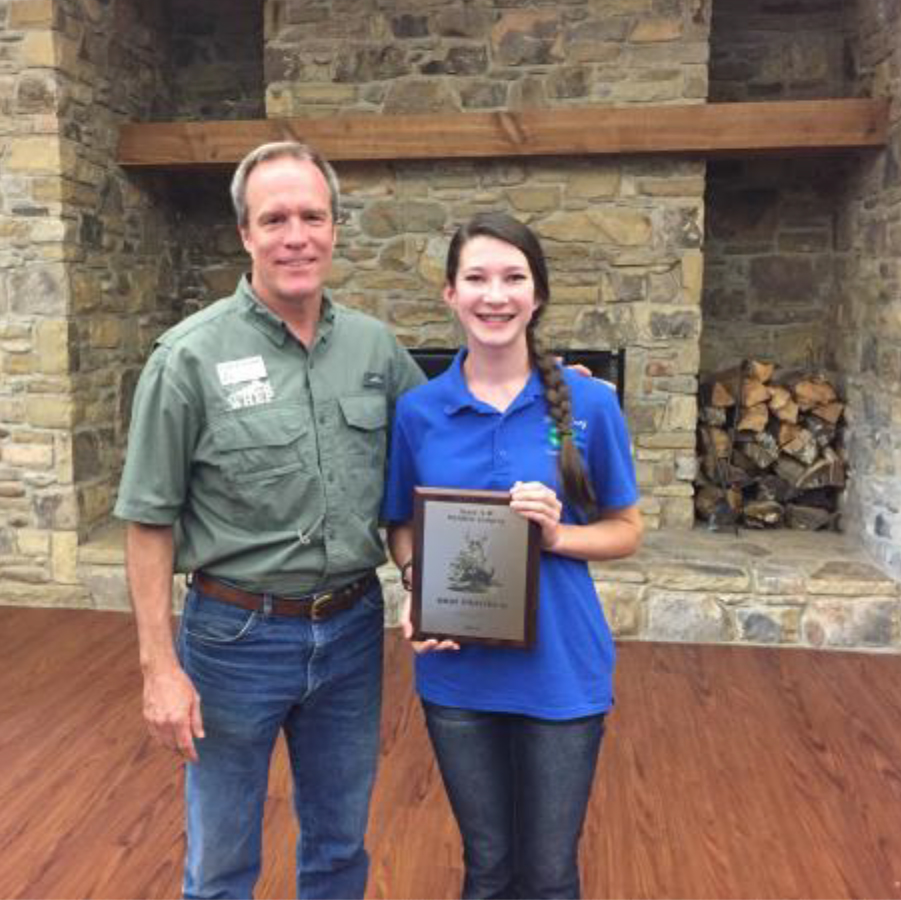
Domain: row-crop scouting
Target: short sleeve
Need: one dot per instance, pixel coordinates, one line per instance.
(609, 452)
(406, 373)
(162, 435)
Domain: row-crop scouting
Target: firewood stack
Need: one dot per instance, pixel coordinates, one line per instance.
(771, 449)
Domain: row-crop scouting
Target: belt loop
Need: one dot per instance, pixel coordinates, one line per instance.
(267, 605)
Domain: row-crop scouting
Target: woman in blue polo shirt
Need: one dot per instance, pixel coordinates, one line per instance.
(517, 732)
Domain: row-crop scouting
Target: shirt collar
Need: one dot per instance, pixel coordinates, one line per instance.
(266, 321)
(462, 398)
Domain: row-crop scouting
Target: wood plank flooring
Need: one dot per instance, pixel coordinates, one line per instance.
(727, 772)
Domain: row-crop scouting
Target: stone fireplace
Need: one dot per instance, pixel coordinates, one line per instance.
(623, 236)
(687, 264)
(803, 256)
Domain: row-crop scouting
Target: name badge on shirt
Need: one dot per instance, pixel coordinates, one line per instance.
(254, 393)
(237, 371)
(246, 382)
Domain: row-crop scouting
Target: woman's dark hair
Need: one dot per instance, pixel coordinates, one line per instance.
(501, 227)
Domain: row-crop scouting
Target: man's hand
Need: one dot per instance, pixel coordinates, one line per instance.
(584, 371)
(172, 710)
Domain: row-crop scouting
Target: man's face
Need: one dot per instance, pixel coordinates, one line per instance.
(290, 233)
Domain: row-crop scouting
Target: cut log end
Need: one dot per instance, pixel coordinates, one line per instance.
(775, 458)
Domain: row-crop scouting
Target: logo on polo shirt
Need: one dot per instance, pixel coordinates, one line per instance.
(373, 380)
(579, 434)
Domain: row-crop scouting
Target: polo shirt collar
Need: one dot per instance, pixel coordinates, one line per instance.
(462, 398)
(266, 321)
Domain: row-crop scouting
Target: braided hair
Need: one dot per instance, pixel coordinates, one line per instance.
(574, 480)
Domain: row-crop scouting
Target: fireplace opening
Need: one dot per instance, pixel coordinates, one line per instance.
(776, 373)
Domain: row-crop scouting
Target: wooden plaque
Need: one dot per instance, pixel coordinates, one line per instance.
(475, 568)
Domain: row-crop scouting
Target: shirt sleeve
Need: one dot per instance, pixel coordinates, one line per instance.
(405, 374)
(610, 463)
(162, 435)
(397, 501)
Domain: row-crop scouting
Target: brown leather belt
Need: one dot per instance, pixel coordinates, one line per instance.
(316, 606)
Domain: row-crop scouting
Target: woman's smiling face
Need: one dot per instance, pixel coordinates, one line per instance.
(493, 294)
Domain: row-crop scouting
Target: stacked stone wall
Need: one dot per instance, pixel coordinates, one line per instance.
(38, 512)
(769, 266)
(803, 258)
(216, 59)
(867, 330)
(119, 242)
(773, 50)
(770, 286)
(210, 256)
(83, 265)
(623, 236)
(325, 56)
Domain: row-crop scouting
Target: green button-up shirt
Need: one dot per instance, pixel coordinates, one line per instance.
(267, 458)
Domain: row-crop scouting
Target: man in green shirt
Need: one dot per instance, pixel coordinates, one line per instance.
(255, 463)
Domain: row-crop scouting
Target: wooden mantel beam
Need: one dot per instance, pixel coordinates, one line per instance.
(788, 127)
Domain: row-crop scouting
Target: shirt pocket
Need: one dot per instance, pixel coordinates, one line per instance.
(260, 445)
(365, 420)
(363, 440)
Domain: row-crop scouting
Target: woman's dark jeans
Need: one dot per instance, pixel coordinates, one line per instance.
(519, 788)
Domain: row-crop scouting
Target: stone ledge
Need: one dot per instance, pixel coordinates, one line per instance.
(768, 588)
(850, 579)
(765, 562)
(105, 547)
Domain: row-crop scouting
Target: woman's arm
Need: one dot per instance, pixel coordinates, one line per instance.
(616, 534)
(400, 546)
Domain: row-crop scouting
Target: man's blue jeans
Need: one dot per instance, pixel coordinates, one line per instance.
(519, 789)
(320, 682)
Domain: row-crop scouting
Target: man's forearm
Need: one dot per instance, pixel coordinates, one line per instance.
(171, 703)
(149, 561)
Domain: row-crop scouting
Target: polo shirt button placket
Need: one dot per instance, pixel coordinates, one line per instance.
(500, 452)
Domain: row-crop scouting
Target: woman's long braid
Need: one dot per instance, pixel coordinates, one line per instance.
(576, 486)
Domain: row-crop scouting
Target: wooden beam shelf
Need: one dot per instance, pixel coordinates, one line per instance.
(708, 129)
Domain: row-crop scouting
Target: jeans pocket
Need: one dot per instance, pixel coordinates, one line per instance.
(213, 622)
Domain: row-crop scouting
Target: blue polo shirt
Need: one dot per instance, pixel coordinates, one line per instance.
(445, 437)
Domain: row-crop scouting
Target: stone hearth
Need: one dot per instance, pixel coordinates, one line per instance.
(763, 587)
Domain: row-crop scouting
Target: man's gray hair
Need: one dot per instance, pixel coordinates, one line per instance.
(278, 150)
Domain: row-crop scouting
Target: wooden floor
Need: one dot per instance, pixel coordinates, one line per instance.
(726, 773)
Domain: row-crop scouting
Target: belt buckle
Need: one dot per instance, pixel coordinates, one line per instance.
(320, 603)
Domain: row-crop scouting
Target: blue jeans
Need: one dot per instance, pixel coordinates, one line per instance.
(519, 789)
(319, 682)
